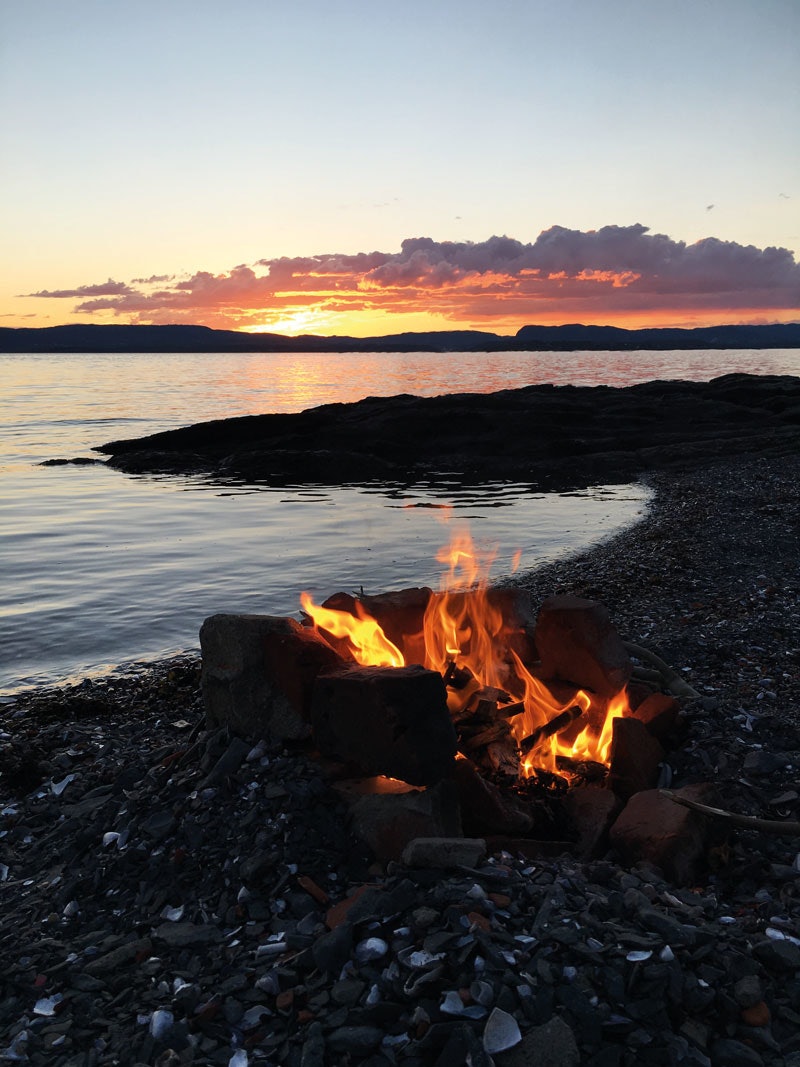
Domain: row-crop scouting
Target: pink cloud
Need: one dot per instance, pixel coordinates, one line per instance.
(595, 274)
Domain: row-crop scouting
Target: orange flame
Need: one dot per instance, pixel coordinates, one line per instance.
(464, 629)
(369, 644)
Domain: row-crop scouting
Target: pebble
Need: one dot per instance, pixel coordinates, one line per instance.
(123, 893)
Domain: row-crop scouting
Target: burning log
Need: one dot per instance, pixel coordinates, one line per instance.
(554, 726)
(588, 770)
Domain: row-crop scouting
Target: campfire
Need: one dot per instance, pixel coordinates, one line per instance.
(461, 711)
(506, 717)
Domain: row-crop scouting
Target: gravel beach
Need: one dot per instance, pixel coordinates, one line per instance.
(174, 895)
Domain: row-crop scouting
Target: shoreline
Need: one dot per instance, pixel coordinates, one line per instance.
(153, 904)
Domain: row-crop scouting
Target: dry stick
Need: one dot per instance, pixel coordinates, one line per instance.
(675, 684)
(746, 822)
(553, 726)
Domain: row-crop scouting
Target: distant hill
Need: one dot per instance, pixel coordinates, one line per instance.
(571, 338)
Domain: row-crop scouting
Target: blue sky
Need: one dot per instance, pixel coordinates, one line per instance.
(175, 139)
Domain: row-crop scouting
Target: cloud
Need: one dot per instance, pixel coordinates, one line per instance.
(109, 288)
(604, 275)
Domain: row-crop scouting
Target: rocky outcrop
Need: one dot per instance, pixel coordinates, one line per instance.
(553, 437)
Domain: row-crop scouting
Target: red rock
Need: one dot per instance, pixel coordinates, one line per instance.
(659, 713)
(391, 721)
(399, 614)
(591, 810)
(672, 837)
(259, 672)
(758, 1015)
(485, 809)
(634, 758)
(338, 913)
(313, 889)
(387, 822)
(480, 921)
(577, 643)
(285, 1000)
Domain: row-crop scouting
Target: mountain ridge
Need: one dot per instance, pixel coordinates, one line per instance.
(572, 337)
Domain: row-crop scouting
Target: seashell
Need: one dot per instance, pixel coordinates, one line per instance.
(482, 992)
(161, 1022)
(238, 1059)
(417, 981)
(253, 1016)
(269, 983)
(172, 915)
(501, 1032)
(452, 1004)
(639, 956)
(373, 948)
(47, 1005)
(419, 958)
(57, 788)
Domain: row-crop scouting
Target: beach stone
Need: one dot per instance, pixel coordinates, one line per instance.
(552, 1044)
(659, 713)
(399, 613)
(486, 809)
(728, 1052)
(444, 852)
(387, 822)
(357, 1040)
(390, 721)
(777, 955)
(634, 757)
(258, 674)
(591, 811)
(670, 836)
(577, 643)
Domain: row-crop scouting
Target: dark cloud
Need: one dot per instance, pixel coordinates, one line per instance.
(109, 288)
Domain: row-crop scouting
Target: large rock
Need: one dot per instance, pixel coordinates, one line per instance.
(391, 721)
(554, 436)
(259, 672)
(577, 643)
(387, 817)
(671, 836)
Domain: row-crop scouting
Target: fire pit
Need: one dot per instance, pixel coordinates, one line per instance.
(533, 728)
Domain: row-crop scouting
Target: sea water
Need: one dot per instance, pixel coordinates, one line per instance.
(99, 568)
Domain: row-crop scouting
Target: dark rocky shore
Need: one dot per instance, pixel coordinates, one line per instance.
(554, 437)
(170, 897)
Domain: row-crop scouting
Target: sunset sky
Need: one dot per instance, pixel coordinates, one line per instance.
(360, 167)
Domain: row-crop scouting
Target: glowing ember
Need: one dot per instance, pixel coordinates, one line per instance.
(465, 635)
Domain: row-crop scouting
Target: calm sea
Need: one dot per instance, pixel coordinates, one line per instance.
(99, 569)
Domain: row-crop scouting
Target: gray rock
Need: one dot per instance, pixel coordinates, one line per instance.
(444, 852)
(187, 935)
(777, 955)
(730, 1053)
(550, 1045)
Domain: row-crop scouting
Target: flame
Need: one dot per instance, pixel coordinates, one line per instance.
(369, 644)
(464, 631)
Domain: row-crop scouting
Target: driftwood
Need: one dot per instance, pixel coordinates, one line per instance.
(745, 822)
(672, 680)
(552, 726)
